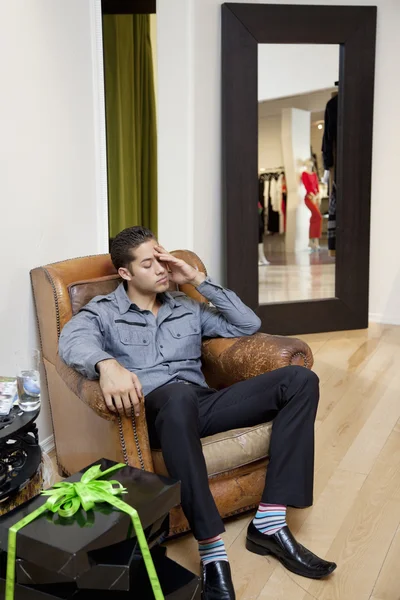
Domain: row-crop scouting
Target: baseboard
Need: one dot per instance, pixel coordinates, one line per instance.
(48, 444)
(384, 319)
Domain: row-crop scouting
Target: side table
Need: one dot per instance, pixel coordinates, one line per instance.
(20, 458)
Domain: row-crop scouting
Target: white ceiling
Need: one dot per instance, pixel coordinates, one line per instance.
(293, 69)
(314, 102)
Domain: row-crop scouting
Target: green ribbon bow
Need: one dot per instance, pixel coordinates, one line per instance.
(66, 498)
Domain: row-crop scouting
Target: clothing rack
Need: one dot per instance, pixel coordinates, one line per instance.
(269, 174)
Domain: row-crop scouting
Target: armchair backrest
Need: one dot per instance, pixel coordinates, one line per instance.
(61, 289)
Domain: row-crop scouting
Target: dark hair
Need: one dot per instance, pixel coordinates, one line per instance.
(126, 241)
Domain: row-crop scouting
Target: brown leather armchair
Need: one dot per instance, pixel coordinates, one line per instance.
(84, 430)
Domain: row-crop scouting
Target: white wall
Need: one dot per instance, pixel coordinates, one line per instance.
(175, 124)
(289, 69)
(296, 133)
(189, 139)
(49, 157)
(269, 142)
(270, 117)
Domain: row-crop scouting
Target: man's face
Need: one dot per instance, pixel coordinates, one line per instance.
(145, 273)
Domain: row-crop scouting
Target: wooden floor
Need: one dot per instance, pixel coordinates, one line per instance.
(292, 283)
(356, 514)
(296, 276)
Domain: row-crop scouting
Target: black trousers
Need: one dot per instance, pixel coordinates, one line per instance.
(178, 415)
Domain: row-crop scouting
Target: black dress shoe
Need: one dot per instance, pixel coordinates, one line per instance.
(289, 552)
(217, 581)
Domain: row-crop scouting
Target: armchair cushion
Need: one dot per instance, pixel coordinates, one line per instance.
(81, 292)
(228, 450)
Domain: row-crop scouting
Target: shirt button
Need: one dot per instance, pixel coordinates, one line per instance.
(161, 346)
(178, 335)
(144, 341)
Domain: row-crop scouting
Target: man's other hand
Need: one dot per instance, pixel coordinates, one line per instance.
(121, 389)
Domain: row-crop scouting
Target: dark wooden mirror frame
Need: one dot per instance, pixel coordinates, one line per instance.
(244, 26)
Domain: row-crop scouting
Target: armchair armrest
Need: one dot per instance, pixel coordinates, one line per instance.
(135, 437)
(85, 389)
(229, 360)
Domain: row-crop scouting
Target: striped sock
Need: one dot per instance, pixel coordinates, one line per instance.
(212, 550)
(270, 518)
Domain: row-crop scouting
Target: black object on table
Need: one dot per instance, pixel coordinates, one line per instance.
(177, 583)
(20, 453)
(96, 554)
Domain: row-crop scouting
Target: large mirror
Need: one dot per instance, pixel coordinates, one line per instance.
(298, 89)
(297, 113)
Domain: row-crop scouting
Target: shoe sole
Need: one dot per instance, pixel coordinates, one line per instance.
(256, 549)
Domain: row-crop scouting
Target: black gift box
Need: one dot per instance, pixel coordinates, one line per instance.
(176, 582)
(77, 550)
(112, 566)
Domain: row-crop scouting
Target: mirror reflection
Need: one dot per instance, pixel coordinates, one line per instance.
(297, 126)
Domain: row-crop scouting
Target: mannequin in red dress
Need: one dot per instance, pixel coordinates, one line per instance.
(310, 182)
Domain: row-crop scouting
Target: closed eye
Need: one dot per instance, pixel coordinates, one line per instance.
(146, 262)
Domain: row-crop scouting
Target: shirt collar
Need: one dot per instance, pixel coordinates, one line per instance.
(124, 303)
(169, 299)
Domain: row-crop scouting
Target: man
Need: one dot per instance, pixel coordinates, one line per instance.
(145, 343)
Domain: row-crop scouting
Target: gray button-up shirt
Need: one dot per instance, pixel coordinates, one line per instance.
(158, 349)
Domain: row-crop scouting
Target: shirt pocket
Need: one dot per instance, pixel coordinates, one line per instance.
(134, 343)
(185, 338)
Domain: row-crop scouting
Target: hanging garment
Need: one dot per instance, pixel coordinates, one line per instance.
(332, 219)
(276, 192)
(310, 182)
(277, 202)
(284, 198)
(273, 215)
(330, 133)
(261, 210)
